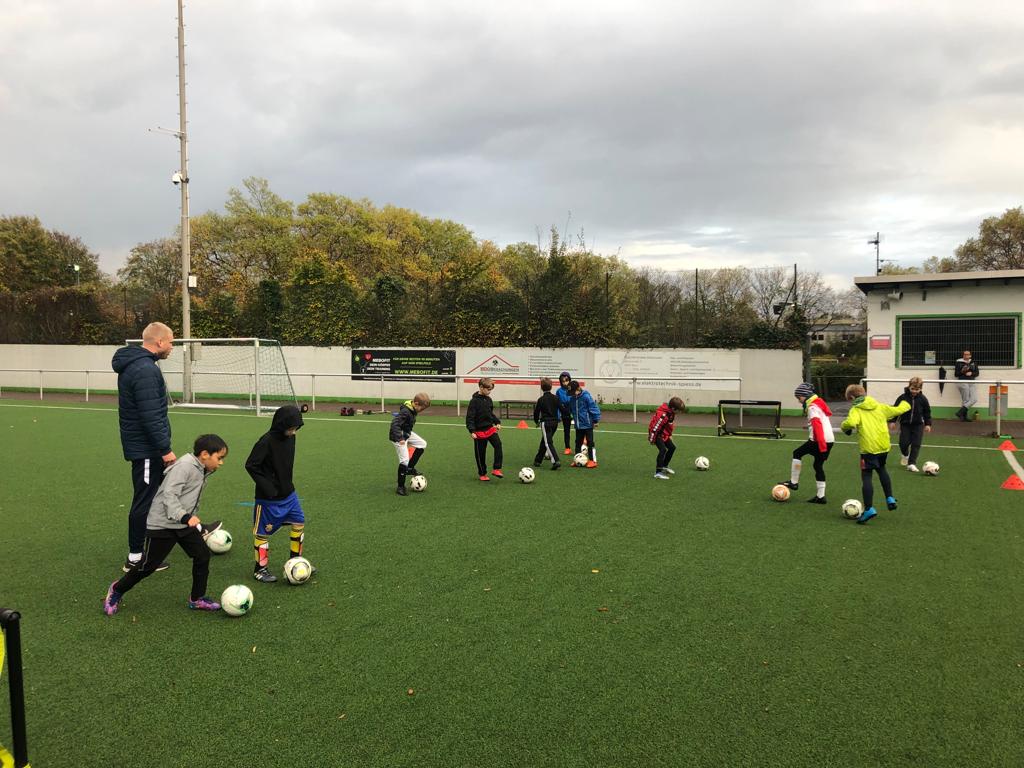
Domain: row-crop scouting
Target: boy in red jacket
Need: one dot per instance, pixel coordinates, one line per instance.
(820, 439)
(659, 433)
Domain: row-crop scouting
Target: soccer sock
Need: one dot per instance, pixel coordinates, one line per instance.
(295, 540)
(402, 469)
(794, 471)
(593, 454)
(820, 485)
(134, 557)
(261, 548)
(415, 457)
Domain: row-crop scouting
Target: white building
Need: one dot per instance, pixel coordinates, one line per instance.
(918, 325)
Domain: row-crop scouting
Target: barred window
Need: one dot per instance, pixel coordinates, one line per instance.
(993, 340)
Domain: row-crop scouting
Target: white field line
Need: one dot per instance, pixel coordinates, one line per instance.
(601, 430)
(1014, 464)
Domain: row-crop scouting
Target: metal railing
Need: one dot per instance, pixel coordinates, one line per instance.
(998, 383)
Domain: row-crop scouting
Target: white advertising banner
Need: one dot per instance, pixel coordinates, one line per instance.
(502, 362)
(655, 367)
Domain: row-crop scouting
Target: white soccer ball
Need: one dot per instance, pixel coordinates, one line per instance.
(526, 475)
(930, 468)
(701, 463)
(297, 570)
(236, 600)
(852, 509)
(418, 483)
(581, 459)
(219, 541)
(780, 492)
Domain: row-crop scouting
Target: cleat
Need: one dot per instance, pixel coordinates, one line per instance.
(497, 473)
(868, 514)
(162, 567)
(670, 471)
(264, 575)
(904, 460)
(412, 472)
(536, 463)
(591, 465)
(400, 490)
(890, 503)
(660, 476)
(209, 528)
(112, 601)
(567, 452)
(484, 479)
(555, 466)
(204, 603)
(791, 485)
(817, 500)
(912, 468)
(128, 564)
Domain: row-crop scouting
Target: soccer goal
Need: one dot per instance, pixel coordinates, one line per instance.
(751, 418)
(227, 373)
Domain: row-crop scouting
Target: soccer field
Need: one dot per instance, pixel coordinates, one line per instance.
(593, 618)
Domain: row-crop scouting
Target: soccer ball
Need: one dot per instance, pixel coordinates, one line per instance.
(581, 459)
(418, 483)
(236, 600)
(701, 463)
(526, 475)
(930, 468)
(297, 570)
(780, 492)
(219, 541)
(852, 509)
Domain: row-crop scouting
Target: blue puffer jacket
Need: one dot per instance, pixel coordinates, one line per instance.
(584, 410)
(141, 404)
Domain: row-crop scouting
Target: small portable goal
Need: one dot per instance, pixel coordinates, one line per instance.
(750, 418)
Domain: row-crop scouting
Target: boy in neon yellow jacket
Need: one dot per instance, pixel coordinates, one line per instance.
(870, 418)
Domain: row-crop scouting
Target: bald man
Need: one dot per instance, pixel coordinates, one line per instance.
(145, 428)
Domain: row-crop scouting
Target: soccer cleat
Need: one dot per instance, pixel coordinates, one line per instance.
(867, 515)
(669, 470)
(556, 465)
(209, 528)
(204, 603)
(264, 575)
(484, 479)
(567, 452)
(497, 473)
(112, 601)
(591, 464)
(400, 490)
(537, 463)
(904, 460)
(817, 500)
(660, 476)
(912, 468)
(412, 472)
(890, 502)
(128, 565)
(791, 485)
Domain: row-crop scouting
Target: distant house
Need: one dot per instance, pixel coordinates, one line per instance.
(840, 329)
(919, 324)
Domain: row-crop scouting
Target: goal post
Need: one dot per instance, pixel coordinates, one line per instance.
(228, 373)
(750, 418)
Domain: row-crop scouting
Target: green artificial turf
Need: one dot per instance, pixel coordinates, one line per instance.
(593, 618)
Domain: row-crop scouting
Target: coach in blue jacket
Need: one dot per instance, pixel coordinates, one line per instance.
(145, 428)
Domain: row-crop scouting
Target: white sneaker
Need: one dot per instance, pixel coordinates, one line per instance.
(904, 460)
(660, 476)
(670, 471)
(912, 468)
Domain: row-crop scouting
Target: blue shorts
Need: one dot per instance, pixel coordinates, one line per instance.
(268, 516)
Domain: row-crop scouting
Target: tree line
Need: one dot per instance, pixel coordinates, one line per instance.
(336, 271)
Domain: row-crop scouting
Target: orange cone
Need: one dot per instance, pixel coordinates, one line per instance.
(1013, 483)
(522, 425)
(1007, 446)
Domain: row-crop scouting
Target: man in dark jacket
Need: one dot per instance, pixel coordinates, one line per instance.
(145, 428)
(966, 372)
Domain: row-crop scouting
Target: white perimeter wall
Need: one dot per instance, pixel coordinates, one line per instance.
(766, 374)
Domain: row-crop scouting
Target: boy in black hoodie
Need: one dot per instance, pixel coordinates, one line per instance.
(914, 423)
(402, 437)
(546, 415)
(271, 464)
(483, 426)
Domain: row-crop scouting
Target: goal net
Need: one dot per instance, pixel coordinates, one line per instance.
(755, 418)
(228, 373)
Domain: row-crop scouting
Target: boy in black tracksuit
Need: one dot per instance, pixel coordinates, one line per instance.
(546, 415)
(483, 425)
(403, 438)
(914, 423)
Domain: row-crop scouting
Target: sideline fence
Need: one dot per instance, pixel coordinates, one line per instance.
(997, 398)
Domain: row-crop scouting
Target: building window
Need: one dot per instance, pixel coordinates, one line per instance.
(992, 340)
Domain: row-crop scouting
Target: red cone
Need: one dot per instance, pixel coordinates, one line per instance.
(1013, 483)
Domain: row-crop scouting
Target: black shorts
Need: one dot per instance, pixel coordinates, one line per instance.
(869, 461)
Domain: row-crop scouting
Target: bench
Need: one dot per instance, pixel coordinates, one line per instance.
(522, 409)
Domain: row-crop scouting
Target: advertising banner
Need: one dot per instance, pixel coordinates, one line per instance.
(501, 362)
(404, 363)
(655, 368)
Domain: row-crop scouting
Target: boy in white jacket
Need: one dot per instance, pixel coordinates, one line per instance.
(820, 440)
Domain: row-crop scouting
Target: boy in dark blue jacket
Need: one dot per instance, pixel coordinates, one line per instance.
(586, 413)
(914, 423)
(546, 415)
(483, 425)
(402, 437)
(564, 378)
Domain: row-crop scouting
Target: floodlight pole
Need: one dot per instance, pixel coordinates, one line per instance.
(877, 243)
(186, 266)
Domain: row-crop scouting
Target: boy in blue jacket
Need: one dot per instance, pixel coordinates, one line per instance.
(586, 414)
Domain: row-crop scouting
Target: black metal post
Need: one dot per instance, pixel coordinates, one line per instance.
(11, 623)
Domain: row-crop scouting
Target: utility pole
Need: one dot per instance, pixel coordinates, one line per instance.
(878, 260)
(186, 266)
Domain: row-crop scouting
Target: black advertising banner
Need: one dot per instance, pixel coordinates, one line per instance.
(403, 364)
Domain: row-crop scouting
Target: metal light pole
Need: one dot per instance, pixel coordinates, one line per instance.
(186, 267)
(877, 243)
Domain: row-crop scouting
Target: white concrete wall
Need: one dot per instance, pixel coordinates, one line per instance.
(961, 298)
(766, 374)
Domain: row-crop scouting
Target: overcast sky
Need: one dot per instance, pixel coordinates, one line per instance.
(679, 134)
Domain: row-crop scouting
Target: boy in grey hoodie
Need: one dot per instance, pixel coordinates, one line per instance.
(172, 520)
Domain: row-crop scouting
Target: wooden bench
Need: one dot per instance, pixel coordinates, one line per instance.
(522, 409)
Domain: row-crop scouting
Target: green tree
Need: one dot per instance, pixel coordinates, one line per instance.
(151, 279)
(33, 257)
(999, 244)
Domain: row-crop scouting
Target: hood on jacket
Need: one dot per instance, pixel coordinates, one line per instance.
(866, 402)
(125, 356)
(820, 403)
(286, 417)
